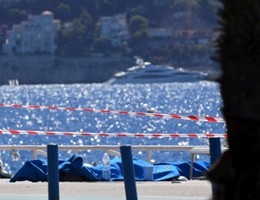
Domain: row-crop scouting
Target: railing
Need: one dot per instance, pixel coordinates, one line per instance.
(111, 149)
(114, 150)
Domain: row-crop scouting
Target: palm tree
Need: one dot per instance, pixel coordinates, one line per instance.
(237, 175)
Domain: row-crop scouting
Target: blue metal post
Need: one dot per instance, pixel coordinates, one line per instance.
(214, 149)
(215, 153)
(53, 172)
(128, 170)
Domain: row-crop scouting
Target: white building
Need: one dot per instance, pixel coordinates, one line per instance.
(33, 36)
(115, 29)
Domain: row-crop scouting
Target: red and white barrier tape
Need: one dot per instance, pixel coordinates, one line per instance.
(152, 135)
(143, 114)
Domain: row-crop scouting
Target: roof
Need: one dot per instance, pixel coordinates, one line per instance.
(47, 12)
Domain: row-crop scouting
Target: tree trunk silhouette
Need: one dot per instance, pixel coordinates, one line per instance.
(237, 175)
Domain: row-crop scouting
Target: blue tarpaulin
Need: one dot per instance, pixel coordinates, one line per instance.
(74, 169)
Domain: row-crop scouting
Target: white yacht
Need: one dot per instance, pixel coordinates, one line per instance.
(145, 72)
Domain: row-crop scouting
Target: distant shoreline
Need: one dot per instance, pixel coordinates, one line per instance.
(45, 69)
(48, 69)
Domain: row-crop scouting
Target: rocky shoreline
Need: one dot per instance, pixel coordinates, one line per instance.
(55, 70)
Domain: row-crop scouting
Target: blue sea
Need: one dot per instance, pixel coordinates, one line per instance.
(201, 98)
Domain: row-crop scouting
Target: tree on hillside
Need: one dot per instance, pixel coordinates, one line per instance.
(131, 4)
(89, 26)
(70, 39)
(207, 11)
(138, 28)
(16, 15)
(63, 12)
(35, 7)
(76, 37)
(156, 10)
(237, 175)
(112, 7)
(102, 45)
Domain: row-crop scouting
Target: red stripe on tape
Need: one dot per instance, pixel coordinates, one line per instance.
(121, 134)
(211, 119)
(17, 106)
(35, 107)
(175, 116)
(86, 134)
(50, 133)
(157, 135)
(70, 109)
(52, 107)
(14, 132)
(32, 132)
(141, 113)
(123, 112)
(105, 111)
(192, 117)
(175, 135)
(88, 109)
(103, 134)
(158, 115)
(139, 135)
(192, 135)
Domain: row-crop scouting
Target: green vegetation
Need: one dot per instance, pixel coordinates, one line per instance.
(79, 33)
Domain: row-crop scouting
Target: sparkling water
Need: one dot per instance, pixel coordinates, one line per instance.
(197, 98)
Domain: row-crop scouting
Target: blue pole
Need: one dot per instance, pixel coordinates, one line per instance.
(128, 170)
(215, 153)
(53, 172)
(214, 149)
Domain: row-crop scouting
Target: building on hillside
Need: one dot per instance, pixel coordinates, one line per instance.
(115, 29)
(36, 35)
(161, 32)
(160, 37)
(202, 37)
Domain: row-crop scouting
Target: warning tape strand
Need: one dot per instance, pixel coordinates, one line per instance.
(101, 134)
(142, 114)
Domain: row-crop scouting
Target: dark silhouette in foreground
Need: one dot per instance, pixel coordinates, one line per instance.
(237, 175)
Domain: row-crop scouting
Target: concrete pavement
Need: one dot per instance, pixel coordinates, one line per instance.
(164, 190)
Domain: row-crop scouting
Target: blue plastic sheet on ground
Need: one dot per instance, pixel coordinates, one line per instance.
(74, 169)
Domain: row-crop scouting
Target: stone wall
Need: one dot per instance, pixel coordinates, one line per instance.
(50, 69)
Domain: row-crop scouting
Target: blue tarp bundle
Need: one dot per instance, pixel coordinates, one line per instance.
(74, 169)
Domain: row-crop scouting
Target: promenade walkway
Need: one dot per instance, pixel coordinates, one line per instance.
(164, 190)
